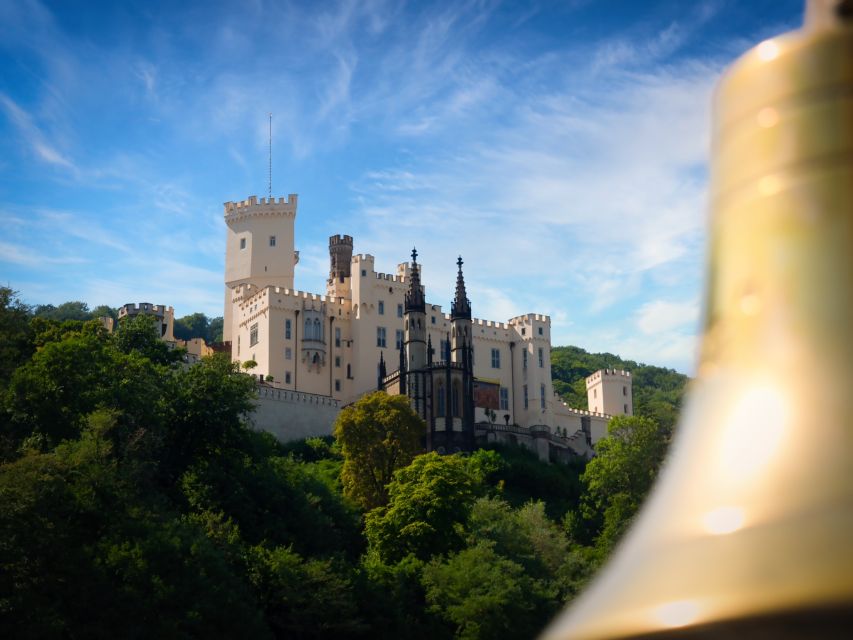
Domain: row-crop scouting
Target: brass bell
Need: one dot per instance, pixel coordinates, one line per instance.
(749, 531)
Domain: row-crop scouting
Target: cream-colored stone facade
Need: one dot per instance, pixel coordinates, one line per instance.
(329, 345)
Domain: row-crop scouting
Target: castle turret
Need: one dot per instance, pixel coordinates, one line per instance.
(340, 262)
(460, 317)
(415, 319)
(259, 248)
(610, 392)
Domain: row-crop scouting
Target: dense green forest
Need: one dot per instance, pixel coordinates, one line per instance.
(195, 325)
(134, 502)
(658, 392)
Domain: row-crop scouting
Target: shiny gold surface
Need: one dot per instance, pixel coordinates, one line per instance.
(749, 532)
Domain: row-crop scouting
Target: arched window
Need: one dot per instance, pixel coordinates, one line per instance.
(318, 329)
(349, 371)
(308, 329)
(440, 401)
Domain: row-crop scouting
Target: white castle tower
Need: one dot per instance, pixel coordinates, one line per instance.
(610, 392)
(259, 247)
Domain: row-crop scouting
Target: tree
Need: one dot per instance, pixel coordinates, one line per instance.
(378, 434)
(483, 594)
(622, 472)
(191, 326)
(15, 334)
(140, 334)
(429, 505)
(73, 310)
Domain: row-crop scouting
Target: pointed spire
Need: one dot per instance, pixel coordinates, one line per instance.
(430, 350)
(461, 307)
(382, 372)
(415, 295)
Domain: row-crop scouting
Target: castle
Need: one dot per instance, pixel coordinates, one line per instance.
(470, 379)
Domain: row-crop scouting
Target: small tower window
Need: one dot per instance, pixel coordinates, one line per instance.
(337, 361)
(542, 396)
(287, 327)
(253, 335)
(272, 241)
(288, 353)
(496, 358)
(337, 385)
(624, 391)
(541, 357)
(524, 359)
(504, 399)
(381, 307)
(399, 339)
(287, 377)
(337, 336)
(525, 397)
(242, 243)
(541, 332)
(399, 311)
(626, 408)
(380, 337)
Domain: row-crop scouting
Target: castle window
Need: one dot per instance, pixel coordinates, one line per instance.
(242, 243)
(309, 332)
(380, 337)
(337, 361)
(433, 319)
(525, 397)
(272, 241)
(626, 408)
(496, 358)
(364, 273)
(504, 399)
(542, 396)
(399, 340)
(445, 349)
(287, 377)
(349, 372)
(624, 391)
(287, 327)
(337, 385)
(524, 359)
(288, 354)
(318, 330)
(399, 311)
(253, 335)
(381, 307)
(441, 401)
(541, 332)
(523, 331)
(337, 336)
(541, 357)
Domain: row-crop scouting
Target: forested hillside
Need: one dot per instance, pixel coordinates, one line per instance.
(135, 502)
(658, 392)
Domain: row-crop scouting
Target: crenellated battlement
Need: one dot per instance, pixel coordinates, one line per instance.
(363, 257)
(390, 277)
(249, 294)
(340, 240)
(529, 318)
(254, 205)
(489, 323)
(144, 307)
(578, 412)
(607, 373)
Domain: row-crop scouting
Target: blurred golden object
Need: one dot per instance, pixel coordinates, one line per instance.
(749, 532)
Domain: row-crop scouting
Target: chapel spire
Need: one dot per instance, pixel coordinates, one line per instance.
(415, 295)
(461, 306)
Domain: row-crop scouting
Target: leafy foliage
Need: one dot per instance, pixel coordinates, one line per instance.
(129, 479)
(378, 434)
(658, 392)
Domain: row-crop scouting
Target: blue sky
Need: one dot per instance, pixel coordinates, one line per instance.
(560, 147)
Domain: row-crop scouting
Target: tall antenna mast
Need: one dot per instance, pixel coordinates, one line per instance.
(269, 183)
